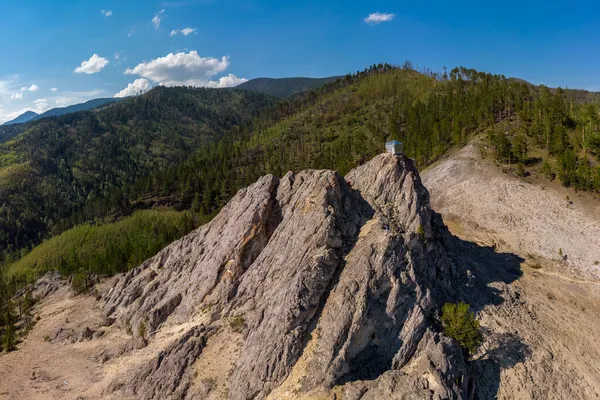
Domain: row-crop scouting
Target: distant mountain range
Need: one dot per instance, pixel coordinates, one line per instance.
(55, 112)
(277, 87)
(25, 117)
(285, 87)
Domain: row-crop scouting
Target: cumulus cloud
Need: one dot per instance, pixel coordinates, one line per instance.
(184, 31)
(17, 96)
(32, 88)
(227, 81)
(157, 18)
(93, 65)
(106, 13)
(41, 105)
(377, 18)
(138, 86)
(53, 89)
(184, 69)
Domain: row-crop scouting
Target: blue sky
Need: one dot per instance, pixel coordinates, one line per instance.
(139, 44)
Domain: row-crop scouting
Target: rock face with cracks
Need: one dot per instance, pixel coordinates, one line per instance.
(345, 274)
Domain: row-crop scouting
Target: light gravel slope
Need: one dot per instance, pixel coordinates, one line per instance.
(542, 340)
(528, 218)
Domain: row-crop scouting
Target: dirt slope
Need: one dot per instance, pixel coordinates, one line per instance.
(546, 324)
(529, 218)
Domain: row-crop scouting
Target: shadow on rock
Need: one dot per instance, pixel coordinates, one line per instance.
(482, 276)
(480, 273)
(505, 351)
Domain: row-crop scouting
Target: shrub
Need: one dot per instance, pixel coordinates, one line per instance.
(521, 169)
(421, 233)
(237, 323)
(142, 329)
(460, 324)
(79, 282)
(547, 171)
(9, 339)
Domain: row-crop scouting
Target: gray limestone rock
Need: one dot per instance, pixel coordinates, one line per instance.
(352, 264)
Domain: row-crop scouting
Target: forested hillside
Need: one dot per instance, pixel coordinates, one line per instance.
(61, 166)
(194, 148)
(285, 87)
(347, 122)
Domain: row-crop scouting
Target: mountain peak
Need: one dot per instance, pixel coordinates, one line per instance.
(25, 117)
(305, 258)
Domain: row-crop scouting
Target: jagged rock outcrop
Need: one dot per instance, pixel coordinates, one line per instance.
(346, 274)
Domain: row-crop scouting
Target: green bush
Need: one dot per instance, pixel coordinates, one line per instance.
(9, 339)
(237, 323)
(142, 329)
(460, 324)
(79, 282)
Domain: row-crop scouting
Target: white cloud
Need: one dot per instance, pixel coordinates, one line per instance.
(136, 87)
(17, 96)
(93, 65)
(227, 81)
(41, 105)
(53, 89)
(107, 13)
(157, 18)
(377, 18)
(32, 88)
(63, 101)
(182, 69)
(184, 31)
(188, 31)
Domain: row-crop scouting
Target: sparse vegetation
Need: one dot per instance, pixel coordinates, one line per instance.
(210, 383)
(460, 324)
(142, 330)
(421, 233)
(9, 338)
(79, 282)
(535, 265)
(547, 170)
(237, 323)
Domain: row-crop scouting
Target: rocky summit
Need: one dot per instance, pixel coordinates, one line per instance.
(321, 283)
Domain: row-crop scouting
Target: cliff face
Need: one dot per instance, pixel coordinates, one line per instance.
(323, 283)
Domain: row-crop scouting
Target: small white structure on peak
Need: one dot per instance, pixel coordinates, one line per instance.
(394, 147)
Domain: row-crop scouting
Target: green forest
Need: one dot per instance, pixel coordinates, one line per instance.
(71, 186)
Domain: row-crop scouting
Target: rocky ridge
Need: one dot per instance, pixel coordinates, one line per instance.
(351, 265)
